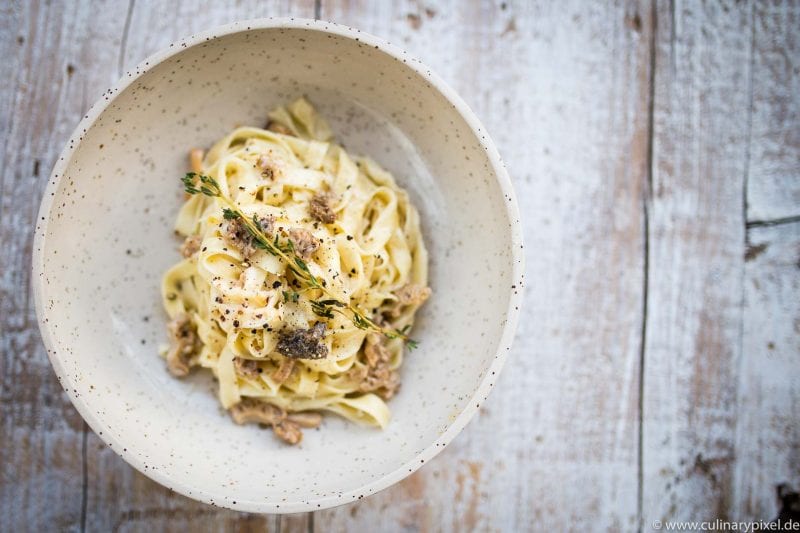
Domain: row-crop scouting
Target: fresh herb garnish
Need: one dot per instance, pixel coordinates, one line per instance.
(285, 251)
(290, 296)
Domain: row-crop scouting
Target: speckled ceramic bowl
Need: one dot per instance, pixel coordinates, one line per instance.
(104, 237)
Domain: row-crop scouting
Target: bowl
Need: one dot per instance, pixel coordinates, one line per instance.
(104, 238)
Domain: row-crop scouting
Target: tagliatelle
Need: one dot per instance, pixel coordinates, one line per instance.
(240, 312)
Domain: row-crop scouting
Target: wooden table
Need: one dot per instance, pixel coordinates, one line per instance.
(655, 149)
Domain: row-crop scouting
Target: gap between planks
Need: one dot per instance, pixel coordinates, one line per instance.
(124, 42)
(772, 222)
(646, 200)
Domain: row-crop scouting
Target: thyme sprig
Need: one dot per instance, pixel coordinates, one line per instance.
(195, 183)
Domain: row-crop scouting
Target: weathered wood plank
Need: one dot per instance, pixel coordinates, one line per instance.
(297, 523)
(154, 24)
(768, 435)
(563, 88)
(695, 260)
(119, 497)
(52, 68)
(773, 187)
(570, 116)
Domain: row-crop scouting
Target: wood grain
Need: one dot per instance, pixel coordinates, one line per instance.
(773, 186)
(52, 70)
(660, 208)
(768, 434)
(563, 89)
(695, 260)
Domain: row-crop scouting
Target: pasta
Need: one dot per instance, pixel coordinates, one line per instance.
(303, 268)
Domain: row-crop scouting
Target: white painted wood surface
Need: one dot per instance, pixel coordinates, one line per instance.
(655, 373)
(773, 184)
(562, 87)
(695, 260)
(768, 432)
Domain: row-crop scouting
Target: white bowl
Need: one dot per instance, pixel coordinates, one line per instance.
(104, 237)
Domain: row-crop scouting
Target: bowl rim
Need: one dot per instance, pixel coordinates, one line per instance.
(217, 497)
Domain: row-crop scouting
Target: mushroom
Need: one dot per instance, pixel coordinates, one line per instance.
(410, 294)
(303, 343)
(251, 410)
(245, 367)
(190, 246)
(286, 427)
(288, 431)
(303, 241)
(321, 207)
(185, 343)
(375, 351)
(376, 376)
(236, 234)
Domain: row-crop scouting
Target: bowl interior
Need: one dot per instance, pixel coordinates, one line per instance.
(108, 239)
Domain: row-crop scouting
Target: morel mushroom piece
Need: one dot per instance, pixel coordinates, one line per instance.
(237, 235)
(303, 241)
(185, 343)
(303, 343)
(285, 426)
(288, 431)
(410, 294)
(321, 207)
(251, 410)
(374, 351)
(246, 367)
(190, 246)
(376, 376)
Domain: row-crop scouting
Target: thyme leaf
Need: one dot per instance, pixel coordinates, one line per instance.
(290, 296)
